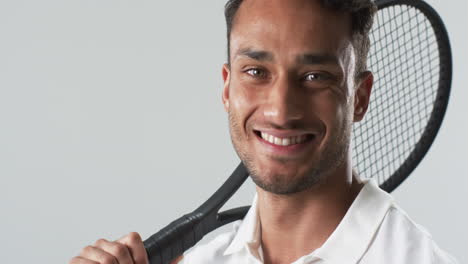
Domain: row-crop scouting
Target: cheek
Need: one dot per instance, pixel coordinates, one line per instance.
(333, 110)
(242, 100)
(239, 112)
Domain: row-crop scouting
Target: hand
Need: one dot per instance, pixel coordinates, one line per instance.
(127, 250)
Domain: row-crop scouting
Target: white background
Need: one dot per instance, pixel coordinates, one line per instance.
(111, 121)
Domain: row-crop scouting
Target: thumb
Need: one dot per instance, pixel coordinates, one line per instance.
(177, 260)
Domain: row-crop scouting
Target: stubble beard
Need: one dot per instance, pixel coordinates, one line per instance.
(333, 155)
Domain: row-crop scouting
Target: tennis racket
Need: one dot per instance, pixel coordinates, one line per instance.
(410, 58)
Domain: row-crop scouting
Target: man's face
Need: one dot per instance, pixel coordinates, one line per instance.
(290, 92)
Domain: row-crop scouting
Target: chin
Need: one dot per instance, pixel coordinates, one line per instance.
(283, 179)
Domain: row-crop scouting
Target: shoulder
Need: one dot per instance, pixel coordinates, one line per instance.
(401, 240)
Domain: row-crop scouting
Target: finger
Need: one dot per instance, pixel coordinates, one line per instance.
(98, 255)
(81, 260)
(177, 260)
(135, 245)
(116, 249)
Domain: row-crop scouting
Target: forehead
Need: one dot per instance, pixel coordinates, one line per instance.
(290, 27)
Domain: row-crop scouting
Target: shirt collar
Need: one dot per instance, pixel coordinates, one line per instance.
(352, 237)
(347, 243)
(248, 233)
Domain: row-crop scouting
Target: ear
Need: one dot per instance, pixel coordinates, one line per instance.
(362, 95)
(226, 72)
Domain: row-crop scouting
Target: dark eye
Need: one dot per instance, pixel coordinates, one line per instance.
(256, 72)
(316, 77)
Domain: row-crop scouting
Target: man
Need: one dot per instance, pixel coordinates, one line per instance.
(295, 82)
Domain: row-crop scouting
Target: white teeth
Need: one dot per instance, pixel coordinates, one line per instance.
(278, 141)
(271, 139)
(283, 141)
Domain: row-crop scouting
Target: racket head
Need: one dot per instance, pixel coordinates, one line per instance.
(411, 60)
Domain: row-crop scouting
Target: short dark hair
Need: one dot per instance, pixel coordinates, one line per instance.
(362, 16)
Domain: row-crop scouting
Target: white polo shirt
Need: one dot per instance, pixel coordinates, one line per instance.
(373, 231)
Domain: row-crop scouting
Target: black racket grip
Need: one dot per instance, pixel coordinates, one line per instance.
(173, 240)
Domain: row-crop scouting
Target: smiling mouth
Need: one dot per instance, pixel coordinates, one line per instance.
(286, 141)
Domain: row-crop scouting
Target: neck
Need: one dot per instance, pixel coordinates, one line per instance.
(308, 218)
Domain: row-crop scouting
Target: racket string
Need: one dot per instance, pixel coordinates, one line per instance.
(406, 75)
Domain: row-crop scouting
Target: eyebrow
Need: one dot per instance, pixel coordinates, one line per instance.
(259, 55)
(317, 58)
(306, 59)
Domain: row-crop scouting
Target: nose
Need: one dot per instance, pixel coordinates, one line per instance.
(284, 103)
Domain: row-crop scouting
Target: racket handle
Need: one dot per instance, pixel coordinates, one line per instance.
(173, 240)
